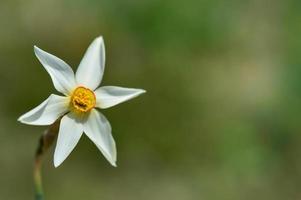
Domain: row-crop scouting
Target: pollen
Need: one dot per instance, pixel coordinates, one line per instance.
(82, 100)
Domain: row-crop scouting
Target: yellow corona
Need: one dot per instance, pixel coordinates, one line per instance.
(83, 100)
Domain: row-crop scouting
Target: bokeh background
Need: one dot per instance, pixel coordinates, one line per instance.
(221, 118)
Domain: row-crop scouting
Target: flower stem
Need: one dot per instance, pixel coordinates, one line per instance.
(38, 179)
(46, 140)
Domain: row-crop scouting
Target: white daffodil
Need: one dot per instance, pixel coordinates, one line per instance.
(78, 108)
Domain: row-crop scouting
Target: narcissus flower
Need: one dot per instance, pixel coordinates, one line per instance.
(79, 108)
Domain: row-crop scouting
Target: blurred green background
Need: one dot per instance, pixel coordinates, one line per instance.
(221, 116)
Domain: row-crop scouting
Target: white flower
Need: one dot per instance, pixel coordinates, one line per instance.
(79, 105)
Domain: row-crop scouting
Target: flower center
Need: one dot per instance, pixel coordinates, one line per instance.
(83, 99)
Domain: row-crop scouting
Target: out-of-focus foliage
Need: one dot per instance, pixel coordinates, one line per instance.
(221, 117)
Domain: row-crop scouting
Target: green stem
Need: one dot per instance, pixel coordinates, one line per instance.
(46, 140)
(38, 179)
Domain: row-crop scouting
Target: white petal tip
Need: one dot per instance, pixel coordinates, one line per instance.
(56, 160)
(21, 120)
(142, 91)
(114, 164)
(99, 41)
(36, 48)
(112, 159)
(56, 163)
(100, 38)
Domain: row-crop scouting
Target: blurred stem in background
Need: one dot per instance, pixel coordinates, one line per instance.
(46, 140)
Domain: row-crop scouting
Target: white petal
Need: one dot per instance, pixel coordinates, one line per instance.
(47, 112)
(91, 68)
(69, 134)
(98, 129)
(61, 73)
(109, 96)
